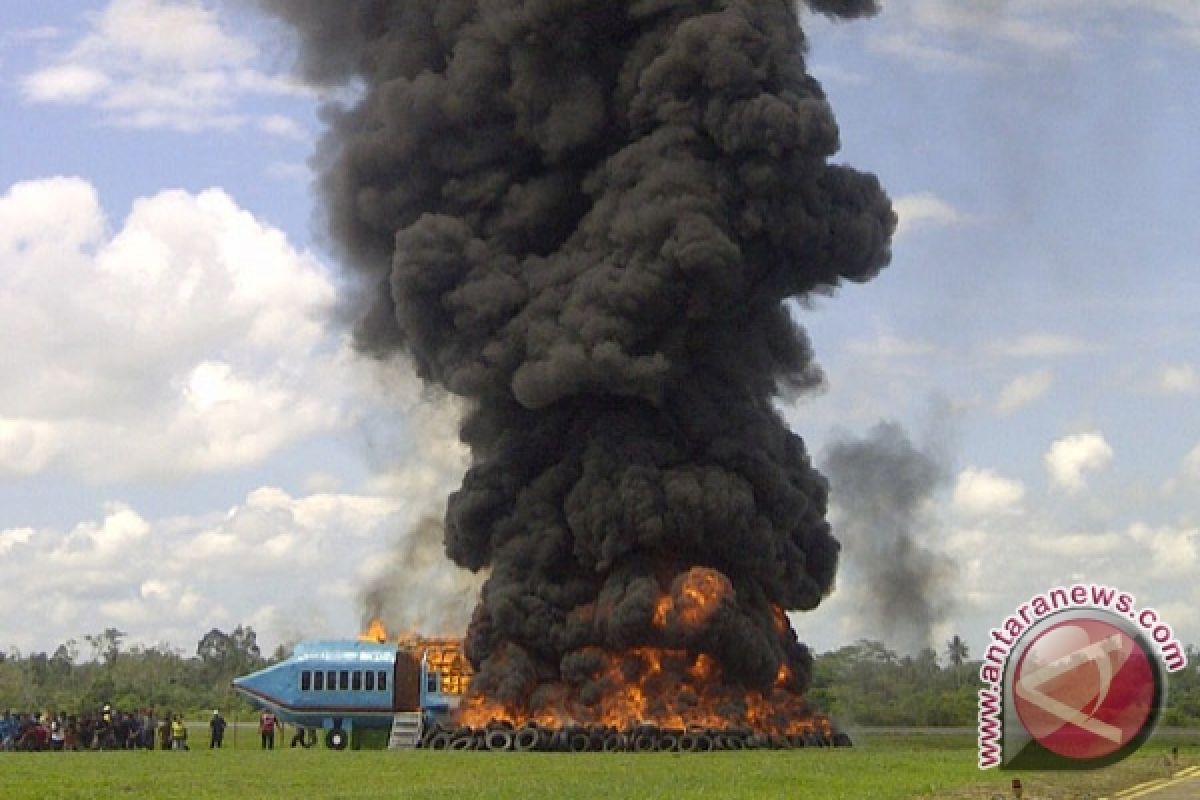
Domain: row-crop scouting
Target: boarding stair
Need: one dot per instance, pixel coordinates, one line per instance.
(406, 730)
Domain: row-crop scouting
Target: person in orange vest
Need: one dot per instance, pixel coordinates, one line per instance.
(266, 727)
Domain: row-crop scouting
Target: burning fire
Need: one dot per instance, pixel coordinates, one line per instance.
(670, 688)
(442, 655)
(375, 632)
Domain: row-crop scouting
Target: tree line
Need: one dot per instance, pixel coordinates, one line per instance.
(76, 679)
(863, 683)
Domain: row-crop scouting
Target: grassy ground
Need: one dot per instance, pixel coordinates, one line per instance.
(883, 767)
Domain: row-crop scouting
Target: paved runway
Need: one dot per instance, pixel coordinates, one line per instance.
(1184, 786)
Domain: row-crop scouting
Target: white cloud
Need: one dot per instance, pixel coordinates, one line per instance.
(70, 83)
(1179, 379)
(171, 579)
(13, 538)
(1191, 463)
(889, 347)
(926, 210)
(192, 339)
(952, 34)
(1068, 459)
(1024, 390)
(1043, 346)
(1076, 546)
(982, 492)
(1173, 551)
(162, 64)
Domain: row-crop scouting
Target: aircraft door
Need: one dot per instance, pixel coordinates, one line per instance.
(406, 687)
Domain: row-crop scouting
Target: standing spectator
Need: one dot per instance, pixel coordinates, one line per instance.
(266, 727)
(216, 730)
(71, 733)
(178, 733)
(164, 732)
(58, 731)
(148, 728)
(8, 732)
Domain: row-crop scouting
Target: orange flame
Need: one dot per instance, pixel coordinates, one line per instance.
(376, 632)
(444, 656)
(694, 597)
(668, 688)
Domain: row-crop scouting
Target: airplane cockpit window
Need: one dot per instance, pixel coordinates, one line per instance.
(319, 681)
(305, 681)
(370, 680)
(382, 681)
(356, 681)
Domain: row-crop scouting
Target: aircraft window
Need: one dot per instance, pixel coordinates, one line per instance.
(370, 679)
(305, 681)
(344, 680)
(431, 682)
(319, 681)
(382, 681)
(356, 681)
(331, 680)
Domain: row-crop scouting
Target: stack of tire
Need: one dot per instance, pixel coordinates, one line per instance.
(531, 737)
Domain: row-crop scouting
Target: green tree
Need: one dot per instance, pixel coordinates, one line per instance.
(957, 651)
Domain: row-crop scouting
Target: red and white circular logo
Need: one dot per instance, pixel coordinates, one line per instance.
(1085, 688)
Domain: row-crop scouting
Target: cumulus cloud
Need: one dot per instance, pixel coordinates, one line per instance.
(1024, 390)
(191, 339)
(920, 211)
(162, 64)
(1173, 550)
(982, 492)
(1070, 458)
(1178, 379)
(264, 562)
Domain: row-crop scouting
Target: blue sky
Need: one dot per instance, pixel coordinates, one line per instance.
(187, 442)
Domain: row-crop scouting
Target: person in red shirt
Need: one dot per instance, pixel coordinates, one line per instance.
(266, 727)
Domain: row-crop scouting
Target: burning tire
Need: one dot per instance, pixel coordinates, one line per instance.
(440, 741)
(644, 743)
(667, 743)
(336, 739)
(615, 743)
(500, 740)
(579, 742)
(526, 740)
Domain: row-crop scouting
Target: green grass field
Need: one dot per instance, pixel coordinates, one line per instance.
(880, 766)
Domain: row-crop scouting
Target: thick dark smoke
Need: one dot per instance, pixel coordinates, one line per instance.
(884, 485)
(585, 218)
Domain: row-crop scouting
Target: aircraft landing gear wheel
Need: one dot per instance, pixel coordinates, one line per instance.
(337, 739)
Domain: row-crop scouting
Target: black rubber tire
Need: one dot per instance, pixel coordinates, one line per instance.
(526, 740)
(579, 742)
(500, 739)
(440, 741)
(337, 739)
(644, 743)
(667, 743)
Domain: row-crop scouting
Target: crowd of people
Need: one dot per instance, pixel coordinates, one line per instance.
(108, 729)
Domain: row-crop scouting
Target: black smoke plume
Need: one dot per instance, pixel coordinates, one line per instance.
(585, 218)
(884, 485)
